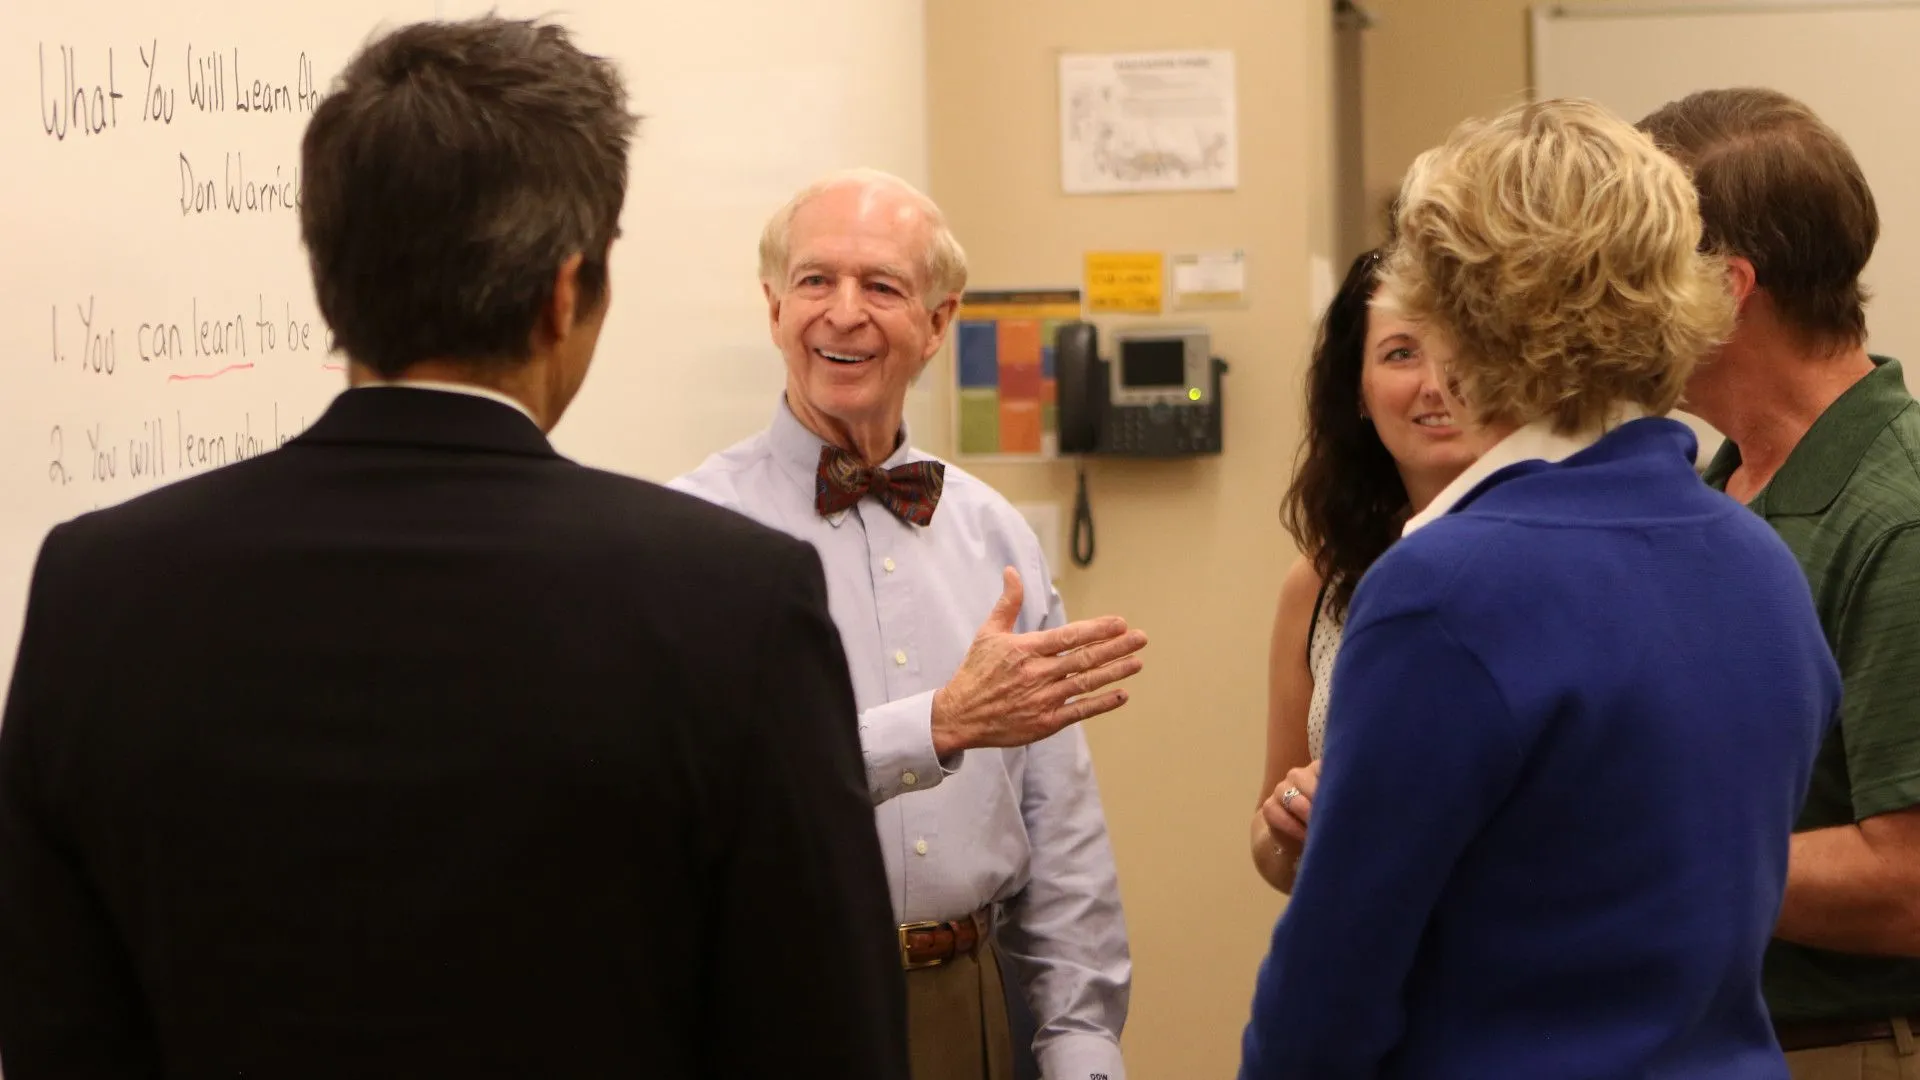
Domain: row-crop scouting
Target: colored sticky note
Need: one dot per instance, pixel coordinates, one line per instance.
(979, 421)
(1020, 382)
(1019, 342)
(979, 354)
(1020, 424)
(1124, 281)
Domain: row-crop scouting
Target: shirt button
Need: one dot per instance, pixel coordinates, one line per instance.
(920, 847)
(889, 565)
(900, 657)
(908, 778)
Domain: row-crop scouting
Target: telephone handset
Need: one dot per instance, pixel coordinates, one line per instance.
(1160, 397)
(1080, 379)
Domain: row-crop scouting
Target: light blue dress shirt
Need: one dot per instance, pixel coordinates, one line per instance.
(1021, 830)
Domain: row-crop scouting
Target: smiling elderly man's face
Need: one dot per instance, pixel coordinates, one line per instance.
(851, 316)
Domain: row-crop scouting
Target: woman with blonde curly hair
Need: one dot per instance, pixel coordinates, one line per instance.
(1576, 706)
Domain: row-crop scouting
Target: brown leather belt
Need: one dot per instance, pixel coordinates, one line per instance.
(1814, 1034)
(930, 944)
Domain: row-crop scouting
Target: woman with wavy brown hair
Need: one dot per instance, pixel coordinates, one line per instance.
(1383, 437)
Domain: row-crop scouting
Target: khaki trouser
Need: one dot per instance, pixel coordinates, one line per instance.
(957, 1026)
(1897, 1058)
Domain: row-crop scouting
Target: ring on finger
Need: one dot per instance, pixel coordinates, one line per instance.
(1287, 796)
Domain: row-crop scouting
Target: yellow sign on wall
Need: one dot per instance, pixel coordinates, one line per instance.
(1124, 281)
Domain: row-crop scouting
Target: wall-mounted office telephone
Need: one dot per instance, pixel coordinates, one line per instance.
(1158, 397)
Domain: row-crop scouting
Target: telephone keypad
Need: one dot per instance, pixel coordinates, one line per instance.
(1161, 429)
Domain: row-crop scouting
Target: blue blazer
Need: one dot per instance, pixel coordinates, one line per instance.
(1572, 725)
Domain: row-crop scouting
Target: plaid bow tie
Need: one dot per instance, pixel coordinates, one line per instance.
(910, 491)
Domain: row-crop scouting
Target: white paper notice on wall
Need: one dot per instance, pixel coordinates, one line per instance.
(1154, 121)
(1209, 280)
(1044, 519)
(1320, 285)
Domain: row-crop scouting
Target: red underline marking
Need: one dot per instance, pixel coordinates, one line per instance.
(210, 374)
(333, 367)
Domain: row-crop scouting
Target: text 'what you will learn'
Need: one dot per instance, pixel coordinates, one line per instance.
(84, 93)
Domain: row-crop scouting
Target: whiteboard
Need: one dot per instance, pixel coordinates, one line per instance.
(155, 311)
(1850, 62)
(745, 101)
(155, 308)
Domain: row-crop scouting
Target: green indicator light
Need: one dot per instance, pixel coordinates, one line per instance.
(1193, 393)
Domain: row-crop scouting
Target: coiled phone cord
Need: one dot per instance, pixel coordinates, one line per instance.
(1082, 518)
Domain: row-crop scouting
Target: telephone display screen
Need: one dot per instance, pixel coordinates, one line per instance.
(1153, 363)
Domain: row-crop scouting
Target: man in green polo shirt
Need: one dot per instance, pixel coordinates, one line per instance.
(1823, 440)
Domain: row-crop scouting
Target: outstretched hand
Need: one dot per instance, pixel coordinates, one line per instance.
(1014, 689)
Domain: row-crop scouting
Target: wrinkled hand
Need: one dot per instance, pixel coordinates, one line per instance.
(1288, 817)
(1014, 689)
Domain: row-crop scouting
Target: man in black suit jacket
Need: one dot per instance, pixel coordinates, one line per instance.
(413, 749)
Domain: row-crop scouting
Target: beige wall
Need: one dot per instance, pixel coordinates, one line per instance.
(1430, 64)
(1189, 550)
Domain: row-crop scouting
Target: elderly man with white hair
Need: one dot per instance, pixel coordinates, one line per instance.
(969, 679)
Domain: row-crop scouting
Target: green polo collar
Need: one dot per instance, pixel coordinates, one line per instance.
(1824, 460)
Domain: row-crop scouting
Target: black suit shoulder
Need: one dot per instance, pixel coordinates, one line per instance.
(616, 537)
(522, 750)
(692, 525)
(607, 506)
